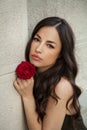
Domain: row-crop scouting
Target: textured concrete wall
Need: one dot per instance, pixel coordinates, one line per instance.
(17, 19)
(13, 37)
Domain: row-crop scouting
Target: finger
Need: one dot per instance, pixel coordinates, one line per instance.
(16, 85)
(19, 81)
(30, 81)
(24, 83)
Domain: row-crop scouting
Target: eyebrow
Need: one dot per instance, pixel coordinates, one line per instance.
(47, 41)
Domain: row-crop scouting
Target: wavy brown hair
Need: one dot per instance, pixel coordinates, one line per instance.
(65, 65)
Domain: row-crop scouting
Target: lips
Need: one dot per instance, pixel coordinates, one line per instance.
(36, 57)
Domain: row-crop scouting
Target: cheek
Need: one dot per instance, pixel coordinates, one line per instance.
(31, 48)
(51, 57)
(52, 54)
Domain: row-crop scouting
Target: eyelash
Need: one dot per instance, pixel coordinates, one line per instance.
(37, 40)
(50, 46)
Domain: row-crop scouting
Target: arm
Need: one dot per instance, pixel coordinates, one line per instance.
(31, 115)
(55, 112)
(25, 89)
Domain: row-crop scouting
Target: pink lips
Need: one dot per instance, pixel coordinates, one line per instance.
(36, 57)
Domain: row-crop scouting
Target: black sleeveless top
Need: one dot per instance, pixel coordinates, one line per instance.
(68, 124)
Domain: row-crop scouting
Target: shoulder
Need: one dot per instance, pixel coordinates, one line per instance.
(64, 89)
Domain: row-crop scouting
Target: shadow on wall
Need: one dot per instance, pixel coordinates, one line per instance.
(83, 102)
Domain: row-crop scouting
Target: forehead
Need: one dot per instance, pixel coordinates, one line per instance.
(48, 32)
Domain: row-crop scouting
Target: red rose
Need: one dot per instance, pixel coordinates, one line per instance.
(25, 70)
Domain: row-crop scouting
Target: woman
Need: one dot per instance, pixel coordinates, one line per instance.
(50, 98)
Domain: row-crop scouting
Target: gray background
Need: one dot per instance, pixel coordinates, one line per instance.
(17, 20)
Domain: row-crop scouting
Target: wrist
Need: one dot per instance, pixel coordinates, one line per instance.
(28, 98)
(29, 102)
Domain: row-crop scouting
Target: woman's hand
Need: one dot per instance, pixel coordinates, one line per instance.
(24, 87)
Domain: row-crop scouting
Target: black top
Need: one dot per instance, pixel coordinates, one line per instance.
(68, 124)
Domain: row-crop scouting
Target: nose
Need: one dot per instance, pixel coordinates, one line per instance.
(39, 48)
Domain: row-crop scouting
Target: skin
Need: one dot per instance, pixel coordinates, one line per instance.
(47, 45)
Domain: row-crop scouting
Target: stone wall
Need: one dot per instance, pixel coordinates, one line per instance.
(17, 20)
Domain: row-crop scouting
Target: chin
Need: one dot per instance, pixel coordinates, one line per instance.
(35, 63)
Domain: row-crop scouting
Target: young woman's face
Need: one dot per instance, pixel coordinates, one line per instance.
(45, 48)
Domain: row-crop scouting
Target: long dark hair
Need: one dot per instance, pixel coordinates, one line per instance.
(65, 65)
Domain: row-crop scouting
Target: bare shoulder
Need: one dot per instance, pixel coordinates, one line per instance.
(64, 89)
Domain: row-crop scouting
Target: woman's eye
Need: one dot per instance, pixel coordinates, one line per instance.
(36, 39)
(50, 46)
